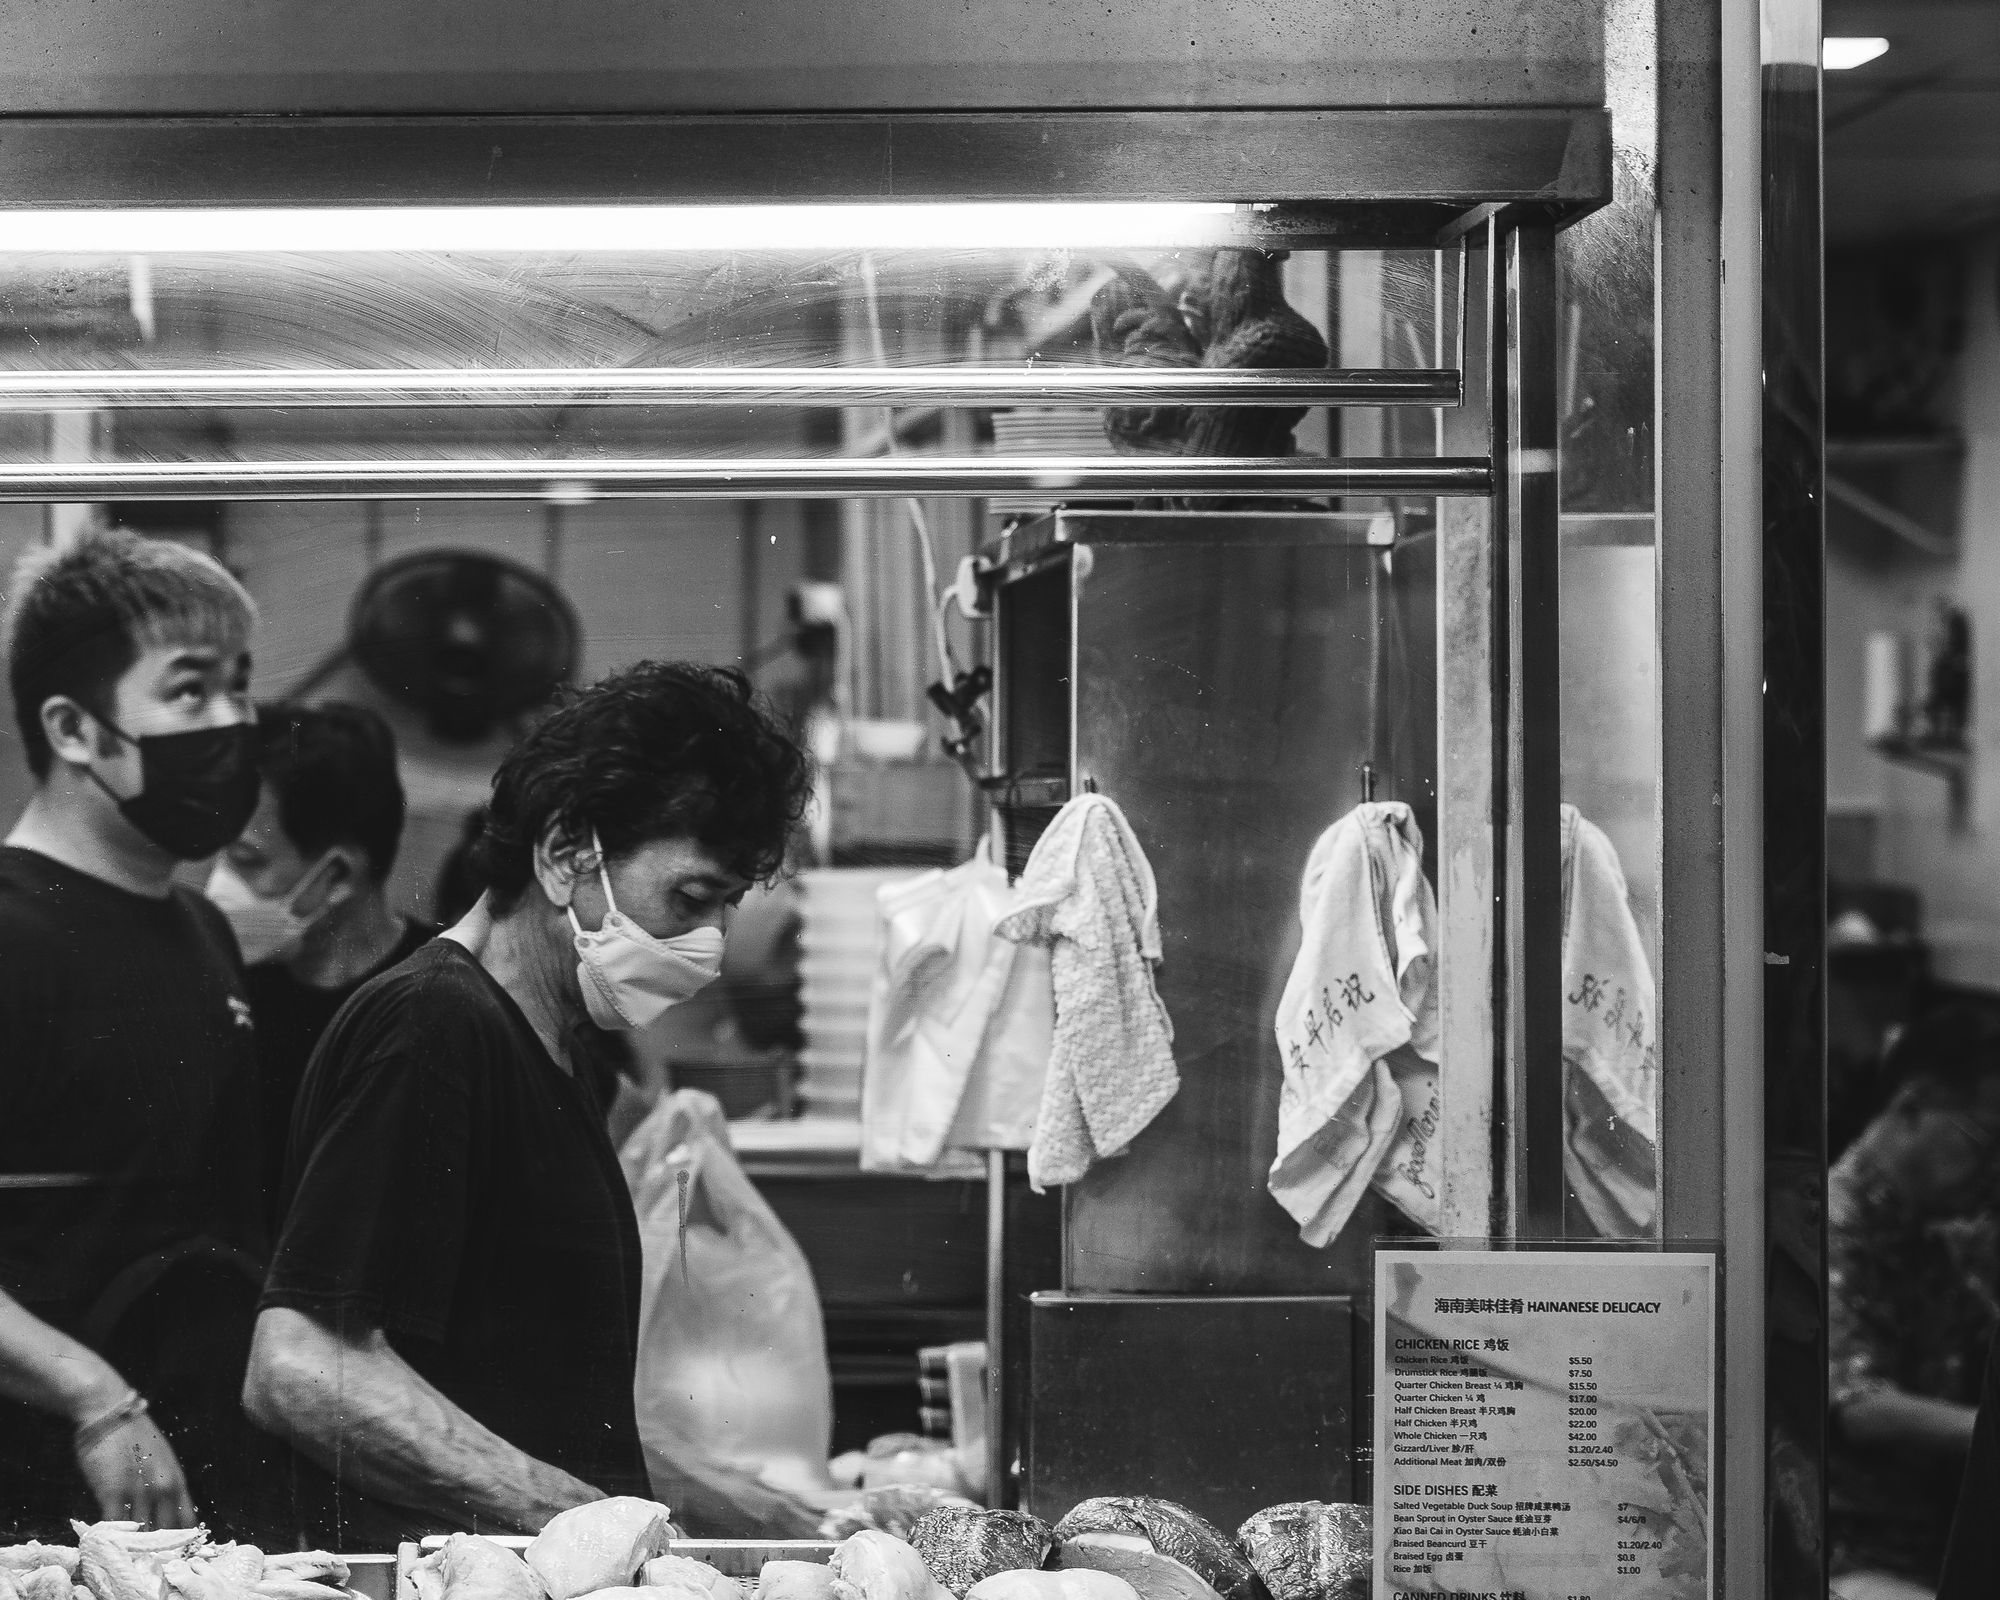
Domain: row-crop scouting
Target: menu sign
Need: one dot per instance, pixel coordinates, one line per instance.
(1542, 1424)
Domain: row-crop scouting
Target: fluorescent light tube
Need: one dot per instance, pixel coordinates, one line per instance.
(635, 228)
(1843, 52)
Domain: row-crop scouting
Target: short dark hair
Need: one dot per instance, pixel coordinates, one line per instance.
(664, 749)
(79, 612)
(332, 768)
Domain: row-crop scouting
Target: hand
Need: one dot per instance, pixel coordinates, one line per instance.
(136, 1476)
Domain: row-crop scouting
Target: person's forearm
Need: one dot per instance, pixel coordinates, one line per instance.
(1896, 1417)
(358, 1409)
(43, 1367)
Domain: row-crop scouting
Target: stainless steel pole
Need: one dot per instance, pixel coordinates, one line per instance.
(996, 1328)
(1048, 385)
(835, 478)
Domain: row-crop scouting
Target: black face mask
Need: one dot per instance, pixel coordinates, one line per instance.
(198, 788)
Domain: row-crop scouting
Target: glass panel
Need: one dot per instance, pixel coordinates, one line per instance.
(1252, 678)
(1610, 692)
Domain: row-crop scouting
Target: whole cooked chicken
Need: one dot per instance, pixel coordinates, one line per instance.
(1135, 320)
(878, 1566)
(472, 1568)
(601, 1545)
(1251, 324)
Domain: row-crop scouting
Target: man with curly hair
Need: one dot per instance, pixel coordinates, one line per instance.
(448, 1332)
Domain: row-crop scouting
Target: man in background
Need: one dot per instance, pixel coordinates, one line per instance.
(1913, 1235)
(131, 1230)
(305, 887)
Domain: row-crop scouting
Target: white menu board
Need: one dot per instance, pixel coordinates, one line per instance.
(1542, 1424)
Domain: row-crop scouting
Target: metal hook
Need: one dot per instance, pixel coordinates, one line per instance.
(1367, 782)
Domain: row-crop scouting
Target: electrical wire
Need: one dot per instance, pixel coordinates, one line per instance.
(940, 638)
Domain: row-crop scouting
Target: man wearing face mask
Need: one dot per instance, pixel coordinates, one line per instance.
(130, 1221)
(451, 1319)
(305, 888)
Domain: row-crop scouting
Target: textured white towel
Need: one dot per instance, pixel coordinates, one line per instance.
(1357, 1028)
(1612, 1073)
(959, 1023)
(1088, 894)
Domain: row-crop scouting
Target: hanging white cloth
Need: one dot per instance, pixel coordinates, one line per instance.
(1088, 895)
(1357, 1029)
(1610, 1050)
(959, 1023)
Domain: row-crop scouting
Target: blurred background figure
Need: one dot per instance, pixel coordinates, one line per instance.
(305, 889)
(1914, 1297)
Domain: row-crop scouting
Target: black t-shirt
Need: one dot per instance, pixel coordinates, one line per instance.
(454, 1187)
(290, 1018)
(127, 1057)
(131, 1212)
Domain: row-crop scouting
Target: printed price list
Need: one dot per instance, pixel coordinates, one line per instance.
(1547, 1447)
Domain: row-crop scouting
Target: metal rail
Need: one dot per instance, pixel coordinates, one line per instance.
(1055, 385)
(741, 478)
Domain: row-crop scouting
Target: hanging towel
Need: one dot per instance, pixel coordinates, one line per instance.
(1357, 1029)
(1612, 1075)
(1088, 895)
(959, 1023)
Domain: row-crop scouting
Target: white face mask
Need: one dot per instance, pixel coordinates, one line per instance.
(266, 929)
(629, 977)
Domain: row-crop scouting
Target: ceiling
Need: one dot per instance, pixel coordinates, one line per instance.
(1913, 137)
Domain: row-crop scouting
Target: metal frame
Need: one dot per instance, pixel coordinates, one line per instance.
(379, 388)
(1714, 699)
(1499, 756)
(1791, 621)
(579, 480)
(1471, 765)
(1500, 181)
(1379, 176)
(1528, 543)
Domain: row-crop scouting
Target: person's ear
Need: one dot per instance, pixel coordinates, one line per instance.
(342, 875)
(559, 862)
(73, 734)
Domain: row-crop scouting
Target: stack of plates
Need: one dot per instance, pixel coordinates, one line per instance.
(1044, 431)
(839, 940)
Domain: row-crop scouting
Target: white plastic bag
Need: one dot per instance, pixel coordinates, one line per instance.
(732, 1348)
(960, 1023)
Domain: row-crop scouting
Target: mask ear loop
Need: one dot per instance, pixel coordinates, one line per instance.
(291, 901)
(603, 872)
(122, 737)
